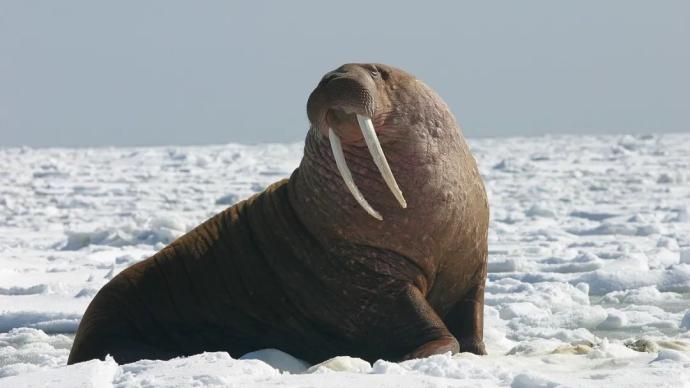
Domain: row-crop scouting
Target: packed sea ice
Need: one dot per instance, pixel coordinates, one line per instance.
(589, 267)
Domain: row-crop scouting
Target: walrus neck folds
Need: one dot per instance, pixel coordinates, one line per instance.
(327, 209)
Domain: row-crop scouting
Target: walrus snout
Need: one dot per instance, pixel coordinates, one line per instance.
(344, 124)
(346, 91)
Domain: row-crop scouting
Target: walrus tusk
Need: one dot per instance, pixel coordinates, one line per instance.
(340, 162)
(376, 152)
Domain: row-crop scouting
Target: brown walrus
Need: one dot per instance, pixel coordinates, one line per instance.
(333, 261)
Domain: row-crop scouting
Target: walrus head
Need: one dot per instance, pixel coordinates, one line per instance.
(344, 107)
(384, 165)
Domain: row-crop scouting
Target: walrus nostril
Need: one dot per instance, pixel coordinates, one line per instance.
(328, 78)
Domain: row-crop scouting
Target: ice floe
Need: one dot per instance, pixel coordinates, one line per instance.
(589, 268)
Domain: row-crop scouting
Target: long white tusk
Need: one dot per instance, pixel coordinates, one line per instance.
(376, 152)
(340, 162)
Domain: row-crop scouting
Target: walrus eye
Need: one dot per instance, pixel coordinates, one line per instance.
(375, 73)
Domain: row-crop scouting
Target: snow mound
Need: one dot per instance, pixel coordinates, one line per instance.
(49, 322)
(342, 364)
(163, 230)
(278, 360)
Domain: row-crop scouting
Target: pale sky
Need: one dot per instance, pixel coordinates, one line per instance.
(97, 73)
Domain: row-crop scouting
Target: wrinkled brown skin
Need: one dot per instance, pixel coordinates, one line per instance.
(301, 267)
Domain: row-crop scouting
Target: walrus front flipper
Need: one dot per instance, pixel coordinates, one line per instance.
(415, 329)
(466, 321)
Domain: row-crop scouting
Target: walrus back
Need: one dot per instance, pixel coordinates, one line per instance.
(211, 289)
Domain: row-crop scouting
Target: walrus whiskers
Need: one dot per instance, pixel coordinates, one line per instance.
(376, 152)
(340, 162)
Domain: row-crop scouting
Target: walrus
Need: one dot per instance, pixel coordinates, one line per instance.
(375, 247)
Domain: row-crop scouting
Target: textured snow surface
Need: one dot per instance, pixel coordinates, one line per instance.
(589, 273)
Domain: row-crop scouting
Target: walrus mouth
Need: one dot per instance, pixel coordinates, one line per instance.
(372, 141)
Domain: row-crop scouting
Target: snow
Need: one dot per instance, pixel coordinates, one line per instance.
(589, 272)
